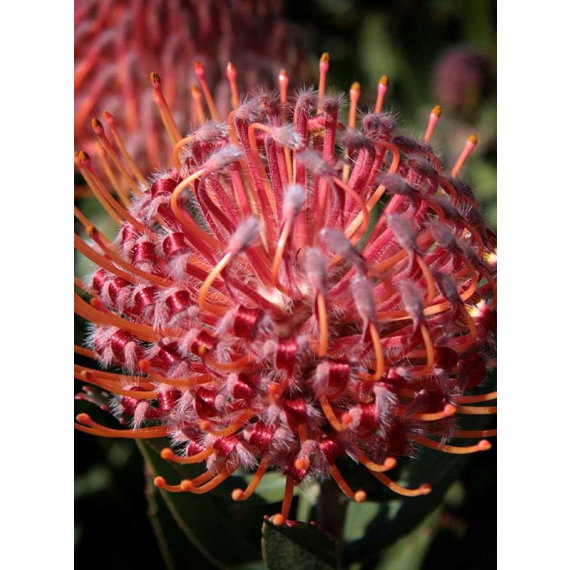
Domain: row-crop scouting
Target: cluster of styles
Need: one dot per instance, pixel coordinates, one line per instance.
(292, 290)
(118, 42)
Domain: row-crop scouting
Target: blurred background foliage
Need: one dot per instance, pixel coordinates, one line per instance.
(122, 520)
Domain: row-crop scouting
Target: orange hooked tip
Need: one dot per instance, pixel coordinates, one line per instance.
(155, 80)
(144, 365)
(237, 494)
(470, 144)
(383, 85)
(109, 119)
(97, 126)
(355, 87)
(449, 410)
(205, 425)
(231, 71)
(432, 122)
(324, 61)
(390, 463)
(283, 86)
(92, 232)
(436, 111)
(484, 445)
(278, 520)
(360, 496)
(354, 97)
(84, 419)
(302, 464)
(99, 305)
(167, 454)
(159, 482)
(199, 69)
(274, 390)
(425, 489)
(83, 156)
(346, 418)
(87, 375)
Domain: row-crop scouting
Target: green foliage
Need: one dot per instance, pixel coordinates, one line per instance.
(175, 548)
(372, 527)
(301, 546)
(224, 532)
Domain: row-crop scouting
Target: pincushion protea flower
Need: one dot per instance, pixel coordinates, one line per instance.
(118, 41)
(462, 78)
(262, 321)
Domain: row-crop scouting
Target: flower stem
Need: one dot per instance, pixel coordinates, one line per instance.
(152, 512)
(331, 510)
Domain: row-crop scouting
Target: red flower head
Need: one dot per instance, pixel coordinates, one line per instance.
(292, 290)
(462, 79)
(117, 42)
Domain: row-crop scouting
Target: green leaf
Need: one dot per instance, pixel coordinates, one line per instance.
(358, 517)
(396, 516)
(177, 551)
(77, 531)
(478, 28)
(379, 54)
(259, 565)
(377, 51)
(225, 533)
(307, 502)
(484, 176)
(271, 488)
(96, 479)
(409, 552)
(300, 546)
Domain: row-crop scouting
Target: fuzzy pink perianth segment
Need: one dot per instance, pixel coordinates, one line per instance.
(264, 322)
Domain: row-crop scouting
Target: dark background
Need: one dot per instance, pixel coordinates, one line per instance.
(404, 39)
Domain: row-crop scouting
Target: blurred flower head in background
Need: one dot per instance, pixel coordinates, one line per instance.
(462, 79)
(119, 42)
(291, 289)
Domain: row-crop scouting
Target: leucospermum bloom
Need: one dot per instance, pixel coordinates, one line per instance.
(462, 79)
(118, 42)
(262, 320)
